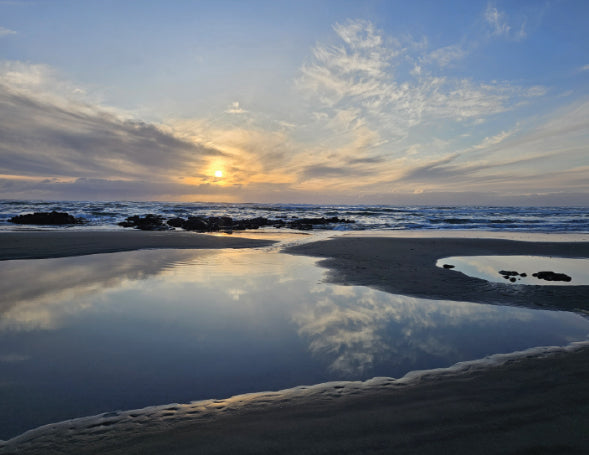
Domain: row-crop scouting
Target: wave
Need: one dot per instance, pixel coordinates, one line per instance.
(106, 214)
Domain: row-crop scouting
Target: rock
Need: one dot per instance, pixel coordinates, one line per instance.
(196, 223)
(512, 280)
(49, 218)
(448, 266)
(176, 222)
(508, 273)
(149, 222)
(552, 276)
(224, 223)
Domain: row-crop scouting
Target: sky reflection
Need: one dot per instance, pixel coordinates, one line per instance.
(79, 336)
(488, 268)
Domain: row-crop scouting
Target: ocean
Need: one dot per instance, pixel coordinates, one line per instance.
(105, 215)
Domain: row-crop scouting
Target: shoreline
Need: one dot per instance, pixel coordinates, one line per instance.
(531, 401)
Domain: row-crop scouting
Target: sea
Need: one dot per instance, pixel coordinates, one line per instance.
(102, 215)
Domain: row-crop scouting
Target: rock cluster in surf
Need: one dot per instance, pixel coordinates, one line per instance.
(46, 218)
(151, 222)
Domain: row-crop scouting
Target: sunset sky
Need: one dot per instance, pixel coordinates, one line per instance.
(390, 102)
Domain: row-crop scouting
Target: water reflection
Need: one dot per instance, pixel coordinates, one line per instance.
(489, 268)
(40, 293)
(80, 336)
(356, 330)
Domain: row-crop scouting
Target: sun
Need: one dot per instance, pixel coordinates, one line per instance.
(218, 174)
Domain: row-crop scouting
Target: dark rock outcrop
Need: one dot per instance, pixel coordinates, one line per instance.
(46, 218)
(176, 222)
(196, 223)
(152, 222)
(552, 276)
(149, 222)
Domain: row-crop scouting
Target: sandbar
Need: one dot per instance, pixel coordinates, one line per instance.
(52, 244)
(406, 266)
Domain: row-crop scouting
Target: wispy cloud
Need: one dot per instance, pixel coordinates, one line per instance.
(549, 157)
(366, 74)
(235, 109)
(446, 55)
(6, 31)
(368, 97)
(499, 24)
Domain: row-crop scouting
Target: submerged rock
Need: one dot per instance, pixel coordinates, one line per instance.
(51, 218)
(552, 276)
(508, 273)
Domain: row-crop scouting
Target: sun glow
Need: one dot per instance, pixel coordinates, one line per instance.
(218, 174)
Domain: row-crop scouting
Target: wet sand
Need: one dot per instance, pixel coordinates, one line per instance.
(536, 402)
(407, 266)
(51, 244)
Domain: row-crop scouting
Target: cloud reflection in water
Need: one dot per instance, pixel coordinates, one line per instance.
(356, 328)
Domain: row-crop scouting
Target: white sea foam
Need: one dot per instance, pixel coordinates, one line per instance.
(85, 431)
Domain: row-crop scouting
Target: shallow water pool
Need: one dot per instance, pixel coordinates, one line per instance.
(522, 269)
(85, 335)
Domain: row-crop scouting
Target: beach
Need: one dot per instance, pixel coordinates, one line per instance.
(531, 402)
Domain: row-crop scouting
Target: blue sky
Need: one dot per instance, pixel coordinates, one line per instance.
(465, 102)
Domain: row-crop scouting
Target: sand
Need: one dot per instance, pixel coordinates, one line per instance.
(531, 402)
(407, 266)
(51, 244)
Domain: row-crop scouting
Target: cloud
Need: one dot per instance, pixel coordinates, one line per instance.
(65, 138)
(322, 172)
(498, 22)
(548, 158)
(366, 73)
(446, 55)
(6, 31)
(235, 109)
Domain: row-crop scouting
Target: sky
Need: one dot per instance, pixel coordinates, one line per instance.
(355, 102)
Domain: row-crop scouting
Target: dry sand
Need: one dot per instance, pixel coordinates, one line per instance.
(536, 403)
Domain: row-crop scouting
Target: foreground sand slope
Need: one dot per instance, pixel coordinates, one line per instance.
(532, 404)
